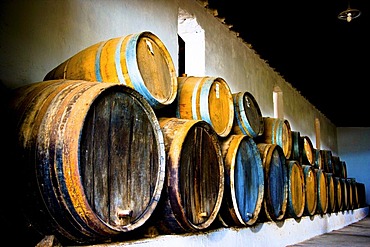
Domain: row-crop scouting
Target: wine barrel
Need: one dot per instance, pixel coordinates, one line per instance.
(327, 160)
(276, 182)
(244, 181)
(338, 193)
(75, 141)
(331, 193)
(308, 154)
(296, 190)
(277, 131)
(355, 201)
(322, 192)
(311, 190)
(350, 203)
(296, 153)
(344, 169)
(139, 60)
(248, 118)
(318, 164)
(194, 183)
(345, 193)
(361, 194)
(206, 98)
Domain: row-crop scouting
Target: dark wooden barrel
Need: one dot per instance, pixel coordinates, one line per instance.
(248, 118)
(76, 141)
(139, 60)
(350, 204)
(322, 191)
(296, 189)
(337, 166)
(308, 154)
(296, 153)
(276, 182)
(206, 98)
(277, 131)
(344, 169)
(194, 183)
(331, 193)
(244, 181)
(361, 189)
(311, 190)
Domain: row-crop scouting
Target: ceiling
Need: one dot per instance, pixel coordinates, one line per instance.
(326, 59)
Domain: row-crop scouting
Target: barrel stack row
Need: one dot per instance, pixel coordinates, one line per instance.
(112, 141)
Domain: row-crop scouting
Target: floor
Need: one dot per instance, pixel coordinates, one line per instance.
(356, 234)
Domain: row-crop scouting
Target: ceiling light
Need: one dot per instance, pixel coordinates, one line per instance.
(349, 14)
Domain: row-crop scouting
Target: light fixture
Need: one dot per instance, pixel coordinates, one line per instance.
(349, 14)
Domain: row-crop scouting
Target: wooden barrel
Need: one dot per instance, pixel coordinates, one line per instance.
(338, 193)
(361, 194)
(337, 166)
(331, 193)
(344, 169)
(350, 204)
(276, 182)
(138, 60)
(277, 131)
(194, 183)
(244, 181)
(206, 98)
(327, 160)
(345, 193)
(318, 164)
(355, 202)
(308, 154)
(311, 190)
(76, 140)
(248, 118)
(296, 153)
(322, 192)
(296, 189)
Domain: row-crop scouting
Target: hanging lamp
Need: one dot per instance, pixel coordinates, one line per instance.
(349, 14)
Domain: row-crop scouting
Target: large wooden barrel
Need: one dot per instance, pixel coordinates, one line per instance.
(276, 182)
(248, 118)
(308, 154)
(244, 181)
(277, 131)
(350, 191)
(355, 201)
(322, 191)
(331, 193)
(75, 143)
(361, 189)
(206, 98)
(139, 60)
(311, 190)
(296, 189)
(327, 160)
(194, 183)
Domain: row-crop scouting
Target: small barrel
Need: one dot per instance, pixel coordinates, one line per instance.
(194, 185)
(296, 189)
(248, 118)
(206, 98)
(322, 191)
(311, 190)
(277, 131)
(77, 139)
(308, 154)
(296, 153)
(276, 182)
(331, 193)
(244, 181)
(139, 60)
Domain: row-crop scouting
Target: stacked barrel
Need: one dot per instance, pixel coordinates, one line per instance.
(112, 141)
